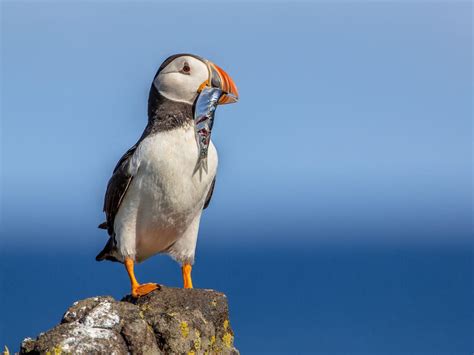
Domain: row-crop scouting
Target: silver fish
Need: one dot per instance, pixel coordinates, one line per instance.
(204, 112)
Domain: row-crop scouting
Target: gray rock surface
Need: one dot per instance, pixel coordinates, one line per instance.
(166, 321)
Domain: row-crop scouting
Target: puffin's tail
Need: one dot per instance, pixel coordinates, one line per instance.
(103, 225)
(108, 252)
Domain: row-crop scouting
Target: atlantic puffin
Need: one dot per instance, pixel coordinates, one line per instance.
(154, 199)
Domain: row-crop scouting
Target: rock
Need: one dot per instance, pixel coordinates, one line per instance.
(166, 321)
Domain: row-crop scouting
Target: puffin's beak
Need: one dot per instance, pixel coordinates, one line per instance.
(220, 79)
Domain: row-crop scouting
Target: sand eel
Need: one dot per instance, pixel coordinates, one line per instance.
(155, 197)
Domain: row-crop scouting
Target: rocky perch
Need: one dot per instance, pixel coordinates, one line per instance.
(168, 321)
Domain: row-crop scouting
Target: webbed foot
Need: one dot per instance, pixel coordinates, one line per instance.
(144, 289)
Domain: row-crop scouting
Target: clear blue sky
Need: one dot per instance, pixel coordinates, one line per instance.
(354, 120)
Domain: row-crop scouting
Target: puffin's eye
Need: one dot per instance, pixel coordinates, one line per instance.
(186, 68)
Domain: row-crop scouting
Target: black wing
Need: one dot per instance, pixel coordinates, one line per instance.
(116, 189)
(209, 194)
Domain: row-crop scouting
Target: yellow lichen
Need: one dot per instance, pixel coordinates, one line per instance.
(197, 341)
(184, 329)
(6, 351)
(213, 340)
(226, 324)
(191, 352)
(227, 339)
(55, 351)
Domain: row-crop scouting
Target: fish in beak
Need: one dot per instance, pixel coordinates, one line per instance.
(219, 89)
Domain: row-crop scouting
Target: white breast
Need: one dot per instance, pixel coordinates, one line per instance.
(164, 201)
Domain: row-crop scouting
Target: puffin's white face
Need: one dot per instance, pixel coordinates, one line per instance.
(181, 79)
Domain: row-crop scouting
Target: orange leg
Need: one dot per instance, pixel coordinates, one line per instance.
(186, 269)
(137, 289)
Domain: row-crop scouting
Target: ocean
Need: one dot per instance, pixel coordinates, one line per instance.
(323, 300)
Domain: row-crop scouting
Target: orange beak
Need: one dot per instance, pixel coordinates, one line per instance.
(220, 79)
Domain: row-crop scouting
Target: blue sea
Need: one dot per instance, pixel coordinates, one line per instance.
(323, 300)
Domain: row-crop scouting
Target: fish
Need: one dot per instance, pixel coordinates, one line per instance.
(205, 109)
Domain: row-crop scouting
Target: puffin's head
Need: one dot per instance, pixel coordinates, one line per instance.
(181, 78)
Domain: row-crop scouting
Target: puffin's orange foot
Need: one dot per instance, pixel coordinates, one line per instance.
(187, 280)
(145, 289)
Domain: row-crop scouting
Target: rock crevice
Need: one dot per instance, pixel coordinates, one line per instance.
(168, 321)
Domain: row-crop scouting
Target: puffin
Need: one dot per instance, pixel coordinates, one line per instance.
(155, 198)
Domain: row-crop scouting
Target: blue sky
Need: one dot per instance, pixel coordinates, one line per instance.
(354, 122)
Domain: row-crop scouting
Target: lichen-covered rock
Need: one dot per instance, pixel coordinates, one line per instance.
(167, 321)
(191, 320)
